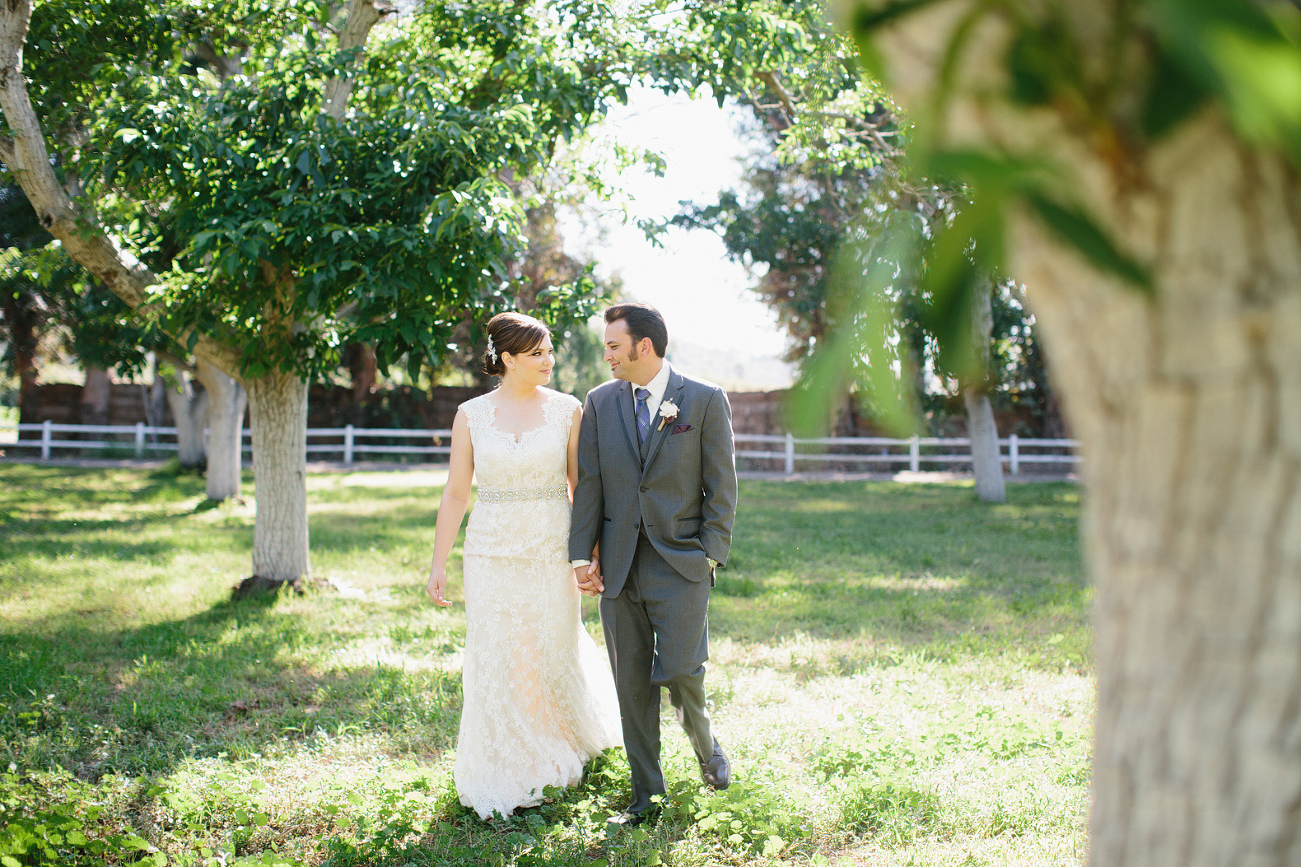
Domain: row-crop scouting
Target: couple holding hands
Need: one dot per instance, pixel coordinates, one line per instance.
(649, 464)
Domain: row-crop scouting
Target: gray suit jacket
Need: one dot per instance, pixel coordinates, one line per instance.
(681, 485)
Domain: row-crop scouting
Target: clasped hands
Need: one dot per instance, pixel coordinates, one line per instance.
(589, 579)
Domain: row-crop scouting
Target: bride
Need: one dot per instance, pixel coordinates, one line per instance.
(539, 698)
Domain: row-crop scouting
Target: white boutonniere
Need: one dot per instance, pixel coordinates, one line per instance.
(668, 412)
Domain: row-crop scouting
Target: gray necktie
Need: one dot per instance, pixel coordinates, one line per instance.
(643, 414)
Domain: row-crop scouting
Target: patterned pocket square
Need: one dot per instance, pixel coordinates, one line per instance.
(681, 428)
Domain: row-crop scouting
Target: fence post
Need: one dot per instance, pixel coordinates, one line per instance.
(1013, 456)
(915, 453)
(347, 444)
(140, 439)
(790, 453)
(45, 440)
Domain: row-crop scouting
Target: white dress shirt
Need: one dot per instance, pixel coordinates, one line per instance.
(657, 386)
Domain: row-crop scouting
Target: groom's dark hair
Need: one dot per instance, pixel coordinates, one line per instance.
(641, 320)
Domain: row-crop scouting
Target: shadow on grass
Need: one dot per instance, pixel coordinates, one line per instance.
(228, 681)
(88, 488)
(871, 567)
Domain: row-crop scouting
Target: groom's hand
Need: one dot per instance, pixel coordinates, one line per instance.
(589, 580)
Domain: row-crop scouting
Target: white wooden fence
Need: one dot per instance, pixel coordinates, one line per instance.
(788, 452)
(877, 452)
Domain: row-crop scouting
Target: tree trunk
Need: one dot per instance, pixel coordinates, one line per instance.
(362, 16)
(190, 412)
(24, 321)
(1189, 411)
(94, 397)
(154, 398)
(986, 460)
(1188, 407)
(279, 408)
(364, 369)
(226, 403)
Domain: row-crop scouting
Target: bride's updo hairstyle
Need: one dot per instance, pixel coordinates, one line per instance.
(515, 333)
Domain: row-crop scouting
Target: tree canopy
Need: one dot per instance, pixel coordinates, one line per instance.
(269, 181)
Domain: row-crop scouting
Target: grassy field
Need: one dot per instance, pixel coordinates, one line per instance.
(901, 676)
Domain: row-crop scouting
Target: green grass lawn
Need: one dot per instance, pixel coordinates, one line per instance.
(900, 674)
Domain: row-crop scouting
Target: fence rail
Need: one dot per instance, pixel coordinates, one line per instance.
(349, 442)
(914, 451)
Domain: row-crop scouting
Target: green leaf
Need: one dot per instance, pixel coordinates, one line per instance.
(867, 19)
(1173, 96)
(1076, 229)
(862, 275)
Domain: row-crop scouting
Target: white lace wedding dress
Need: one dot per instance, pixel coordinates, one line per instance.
(539, 698)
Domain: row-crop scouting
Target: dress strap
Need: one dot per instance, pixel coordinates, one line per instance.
(478, 414)
(559, 410)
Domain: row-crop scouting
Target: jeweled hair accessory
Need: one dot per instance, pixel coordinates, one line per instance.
(492, 350)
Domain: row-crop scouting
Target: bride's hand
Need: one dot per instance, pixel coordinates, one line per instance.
(588, 578)
(595, 579)
(437, 587)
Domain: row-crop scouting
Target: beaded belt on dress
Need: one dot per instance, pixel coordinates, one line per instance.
(510, 495)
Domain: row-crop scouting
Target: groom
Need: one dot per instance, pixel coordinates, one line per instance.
(657, 490)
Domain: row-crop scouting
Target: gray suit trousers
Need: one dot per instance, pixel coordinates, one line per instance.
(657, 634)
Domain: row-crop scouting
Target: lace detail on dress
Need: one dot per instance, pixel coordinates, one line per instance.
(539, 699)
(537, 461)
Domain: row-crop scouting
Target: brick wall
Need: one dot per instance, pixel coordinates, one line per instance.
(753, 412)
(61, 404)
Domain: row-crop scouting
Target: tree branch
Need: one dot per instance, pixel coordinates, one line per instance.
(28, 159)
(770, 79)
(362, 16)
(865, 127)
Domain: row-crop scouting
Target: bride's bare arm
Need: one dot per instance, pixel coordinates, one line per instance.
(588, 577)
(451, 509)
(571, 465)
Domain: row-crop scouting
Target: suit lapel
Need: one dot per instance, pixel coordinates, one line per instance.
(623, 397)
(658, 434)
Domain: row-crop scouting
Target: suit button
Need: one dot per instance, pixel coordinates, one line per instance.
(642, 489)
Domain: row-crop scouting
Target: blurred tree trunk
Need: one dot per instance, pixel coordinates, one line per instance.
(226, 403)
(1188, 407)
(363, 370)
(189, 407)
(986, 460)
(1187, 403)
(94, 397)
(23, 319)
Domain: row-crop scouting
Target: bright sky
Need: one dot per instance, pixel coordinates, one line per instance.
(703, 295)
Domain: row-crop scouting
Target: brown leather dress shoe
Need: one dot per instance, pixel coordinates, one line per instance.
(716, 771)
